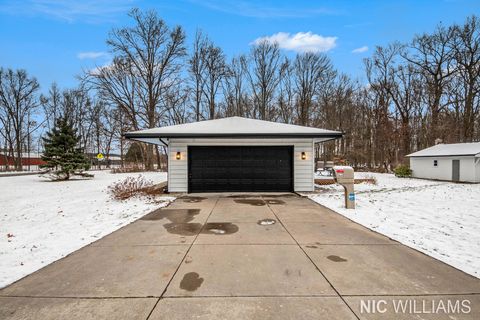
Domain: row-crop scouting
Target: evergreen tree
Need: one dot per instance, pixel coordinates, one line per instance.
(62, 155)
(134, 153)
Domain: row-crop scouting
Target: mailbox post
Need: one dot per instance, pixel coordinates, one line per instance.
(344, 176)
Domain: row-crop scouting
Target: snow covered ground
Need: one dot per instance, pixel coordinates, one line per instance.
(13, 173)
(441, 219)
(42, 221)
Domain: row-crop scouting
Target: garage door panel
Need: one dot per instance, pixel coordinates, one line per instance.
(240, 168)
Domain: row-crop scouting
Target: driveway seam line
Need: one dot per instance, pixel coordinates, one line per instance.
(308, 257)
(80, 297)
(181, 261)
(413, 294)
(153, 308)
(245, 296)
(254, 296)
(253, 244)
(174, 297)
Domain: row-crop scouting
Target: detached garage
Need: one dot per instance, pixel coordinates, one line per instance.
(458, 162)
(238, 154)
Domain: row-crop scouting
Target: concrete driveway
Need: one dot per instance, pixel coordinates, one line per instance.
(251, 256)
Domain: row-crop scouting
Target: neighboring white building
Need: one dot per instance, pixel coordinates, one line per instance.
(238, 154)
(450, 162)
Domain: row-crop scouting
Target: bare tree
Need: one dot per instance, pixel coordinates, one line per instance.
(236, 97)
(117, 84)
(380, 99)
(77, 106)
(264, 76)
(18, 102)
(431, 55)
(150, 52)
(111, 128)
(286, 93)
(401, 82)
(214, 72)
(176, 102)
(406, 93)
(196, 69)
(466, 51)
(51, 105)
(309, 70)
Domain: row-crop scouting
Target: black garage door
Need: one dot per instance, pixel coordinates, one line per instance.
(245, 168)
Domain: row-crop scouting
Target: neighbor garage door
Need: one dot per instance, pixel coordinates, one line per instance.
(240, 168)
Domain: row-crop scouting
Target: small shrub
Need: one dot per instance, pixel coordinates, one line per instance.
(402, 171)
(131, 187)
(369, 179)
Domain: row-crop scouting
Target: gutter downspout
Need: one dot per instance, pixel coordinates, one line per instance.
(163, 142)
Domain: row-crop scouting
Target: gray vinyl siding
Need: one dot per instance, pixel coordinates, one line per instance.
(302, 169)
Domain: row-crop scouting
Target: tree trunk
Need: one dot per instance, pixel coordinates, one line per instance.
(468, 117)
(18, 158)
(159, 162)
(405, 139)
(149, 157)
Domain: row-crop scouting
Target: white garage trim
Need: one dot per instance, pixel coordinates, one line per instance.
(302, 169)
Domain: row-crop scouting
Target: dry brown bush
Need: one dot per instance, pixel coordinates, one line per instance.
(132, 187)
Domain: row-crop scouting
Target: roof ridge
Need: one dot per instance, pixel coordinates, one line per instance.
(234, 127)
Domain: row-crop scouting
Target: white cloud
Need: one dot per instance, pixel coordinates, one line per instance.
(91, 55)
(360, 50)
(91, 11)
(252, 9)
(98, 69)
(301, 41)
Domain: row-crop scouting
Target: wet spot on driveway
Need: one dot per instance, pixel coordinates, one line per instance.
(220, 228)
(336, 259)
(183, 229)
(192, 229)
(192, 199)
(241, 196)
(266, 222)
(191, 281)
(274, 201)
(285, 195)
(173, 215)
(252, 202)
(289, 272)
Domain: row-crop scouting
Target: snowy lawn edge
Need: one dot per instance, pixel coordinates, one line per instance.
(58, 218)
(432, 217)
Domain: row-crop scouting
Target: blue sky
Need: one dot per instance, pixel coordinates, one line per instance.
(57, 39)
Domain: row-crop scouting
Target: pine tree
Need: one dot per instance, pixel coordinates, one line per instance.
(62, 155)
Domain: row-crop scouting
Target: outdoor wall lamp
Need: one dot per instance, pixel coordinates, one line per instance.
(304, 156)
(178, 155)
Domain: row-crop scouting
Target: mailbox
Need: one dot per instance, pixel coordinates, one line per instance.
(344, 176)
